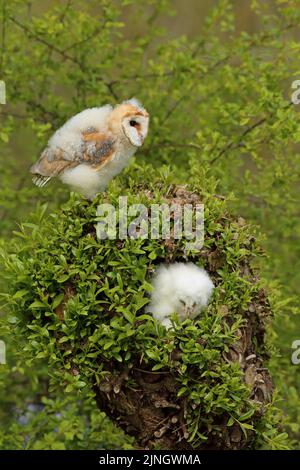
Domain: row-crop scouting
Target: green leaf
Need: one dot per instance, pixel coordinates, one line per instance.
(37, 304)
(57, 300)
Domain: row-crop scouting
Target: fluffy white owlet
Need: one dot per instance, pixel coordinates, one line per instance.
(180, 288)
(92, 147)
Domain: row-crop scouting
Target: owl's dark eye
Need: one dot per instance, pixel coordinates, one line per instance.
(132, 123)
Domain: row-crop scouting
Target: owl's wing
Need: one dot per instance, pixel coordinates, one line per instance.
(96, 149)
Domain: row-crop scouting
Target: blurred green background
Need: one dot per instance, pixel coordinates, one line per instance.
(216, 78)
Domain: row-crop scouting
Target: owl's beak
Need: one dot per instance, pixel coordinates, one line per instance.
(187, 311)
(141, 140)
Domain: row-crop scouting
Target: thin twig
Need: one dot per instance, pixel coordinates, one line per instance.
(147, 150)
(183, 97)
(62, 53)
(152, 371)
(65, 11)
(55, 116)
(232, 145)
(252, 43)
(137, 76)
(46, 43)
(87, 38)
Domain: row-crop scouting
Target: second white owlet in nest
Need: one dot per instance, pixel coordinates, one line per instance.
(181, 288)
(92, 147)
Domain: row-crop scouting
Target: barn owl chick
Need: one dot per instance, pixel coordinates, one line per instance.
(180, 288)
(92, 147)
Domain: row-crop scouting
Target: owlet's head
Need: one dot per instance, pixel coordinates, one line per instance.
(132, 121)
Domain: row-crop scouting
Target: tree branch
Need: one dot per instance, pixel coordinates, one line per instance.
(62, 53)
(46, 43)
(232, 145)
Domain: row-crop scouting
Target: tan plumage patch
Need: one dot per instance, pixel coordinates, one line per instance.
(126, 110)
(51, 164)
(97, 150)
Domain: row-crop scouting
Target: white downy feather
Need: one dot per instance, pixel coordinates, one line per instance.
(69, 138)
(181, 288)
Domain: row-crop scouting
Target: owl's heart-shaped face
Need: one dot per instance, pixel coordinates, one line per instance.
(135, 128)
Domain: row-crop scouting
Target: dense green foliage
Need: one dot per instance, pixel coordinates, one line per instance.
(219, 104)
(101, 286)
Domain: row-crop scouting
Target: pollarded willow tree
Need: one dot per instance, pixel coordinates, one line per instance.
(219, 101)
(78, 301)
